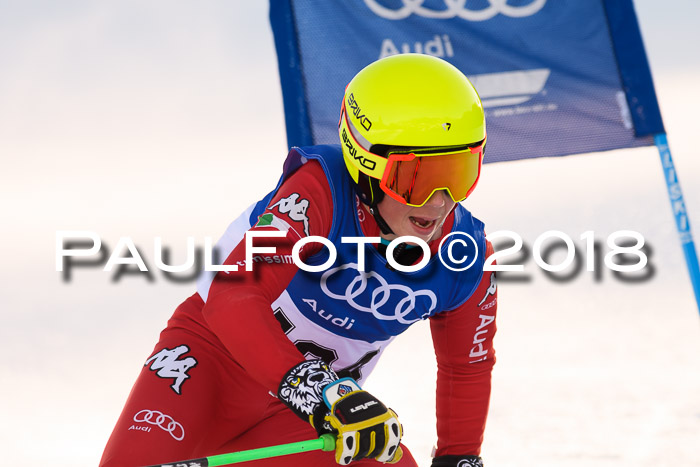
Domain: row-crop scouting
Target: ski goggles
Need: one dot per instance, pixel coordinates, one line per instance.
(411, 176)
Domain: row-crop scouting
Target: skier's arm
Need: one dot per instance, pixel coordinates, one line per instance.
(238, 305)
(238, 311)
(463, 341)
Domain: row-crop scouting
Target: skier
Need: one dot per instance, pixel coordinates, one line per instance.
(279, 354)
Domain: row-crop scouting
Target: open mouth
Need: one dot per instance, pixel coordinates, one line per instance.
(422, 222)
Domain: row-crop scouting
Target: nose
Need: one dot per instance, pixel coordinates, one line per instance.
(438, 199)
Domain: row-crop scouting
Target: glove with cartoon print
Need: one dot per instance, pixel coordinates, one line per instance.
(457, 461)
(364, 427)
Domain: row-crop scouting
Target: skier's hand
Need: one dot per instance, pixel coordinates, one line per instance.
(365, 427)
(457, 461)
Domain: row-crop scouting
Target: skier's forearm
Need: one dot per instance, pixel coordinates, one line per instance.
(463, 341)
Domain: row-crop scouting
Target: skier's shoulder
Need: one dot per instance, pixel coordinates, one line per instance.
(312, 163)
(466, 220)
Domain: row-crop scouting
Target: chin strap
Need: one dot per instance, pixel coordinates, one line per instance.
(402, 253)
(386, 230)
(381, 223)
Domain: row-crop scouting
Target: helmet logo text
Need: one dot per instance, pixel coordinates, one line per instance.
(355, 109)
(366, 163)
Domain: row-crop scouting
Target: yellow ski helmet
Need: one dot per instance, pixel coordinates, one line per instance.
(410, 125)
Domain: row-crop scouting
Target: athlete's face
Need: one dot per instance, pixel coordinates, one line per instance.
(424, 222)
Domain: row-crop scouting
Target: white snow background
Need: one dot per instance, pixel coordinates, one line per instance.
(148, 119)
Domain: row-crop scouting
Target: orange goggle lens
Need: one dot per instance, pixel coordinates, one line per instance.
(413, 178)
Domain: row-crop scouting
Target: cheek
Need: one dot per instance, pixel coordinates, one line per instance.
(402, 214)
(394, 211)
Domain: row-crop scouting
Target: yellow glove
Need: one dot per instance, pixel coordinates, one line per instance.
(365, 427)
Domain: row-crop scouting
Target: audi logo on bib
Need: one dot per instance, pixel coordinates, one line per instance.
(379, 298)
(455, 8)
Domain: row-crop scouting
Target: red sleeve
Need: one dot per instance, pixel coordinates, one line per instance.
(238, 305)
(463, 341)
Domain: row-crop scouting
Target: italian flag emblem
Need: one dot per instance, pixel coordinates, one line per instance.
(270, 220)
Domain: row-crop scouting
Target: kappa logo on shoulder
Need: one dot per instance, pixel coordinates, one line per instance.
(296, 210)
(166, 365)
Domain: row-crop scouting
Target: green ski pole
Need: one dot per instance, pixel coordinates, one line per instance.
(325, 443)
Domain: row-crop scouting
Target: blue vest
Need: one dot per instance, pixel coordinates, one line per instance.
(380, 302)
(343, 315)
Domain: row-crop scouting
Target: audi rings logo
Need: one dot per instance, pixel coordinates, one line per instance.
(380, 295)
(456, 8)
(164, 422)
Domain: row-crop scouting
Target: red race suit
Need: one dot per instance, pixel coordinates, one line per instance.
(209, 385)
